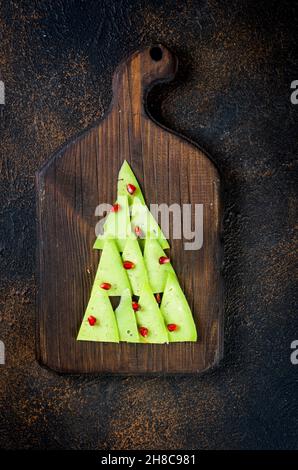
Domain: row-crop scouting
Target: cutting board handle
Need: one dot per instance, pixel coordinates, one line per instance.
(136, 75)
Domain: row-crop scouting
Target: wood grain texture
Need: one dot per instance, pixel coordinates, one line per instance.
(83, 174)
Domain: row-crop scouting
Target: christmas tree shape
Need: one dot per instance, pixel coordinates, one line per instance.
(134, 266)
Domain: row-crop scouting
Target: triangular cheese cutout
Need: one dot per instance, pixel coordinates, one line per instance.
(175, 310)
(126, 319)
(138, 275)
(117, 225)
(157, 273)
(110, 270)
(150, 317)
(105, 327)
(125, 177)
(141, 217)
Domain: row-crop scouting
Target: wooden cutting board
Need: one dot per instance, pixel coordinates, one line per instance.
(82, 175)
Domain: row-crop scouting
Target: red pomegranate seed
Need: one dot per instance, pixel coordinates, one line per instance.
(105, 286)
(138, 231)
(158, 298)
(131, 188)
(91, 320)
(143, 331)
(135, 306)
(164, 260)
(115, 208)
(172, 327)
(128, 265)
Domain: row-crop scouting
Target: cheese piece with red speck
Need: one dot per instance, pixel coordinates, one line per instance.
(116, 226)
(126, 319)
(150, 317)
(176, 311)
(110, 270)
(105, 328)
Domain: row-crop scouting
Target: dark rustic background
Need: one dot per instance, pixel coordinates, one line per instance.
(232, 96)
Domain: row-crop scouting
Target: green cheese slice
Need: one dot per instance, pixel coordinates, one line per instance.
(175, 310)
(105, 328)
(150, 317)
(111, 270)
(141, 217)
(126, 319)
(157, 273)
(125, 177)
(138, 275)
(117, 226)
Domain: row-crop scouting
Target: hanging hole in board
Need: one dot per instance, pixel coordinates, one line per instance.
(156, 53)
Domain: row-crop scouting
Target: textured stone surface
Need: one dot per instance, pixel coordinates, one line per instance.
(232, 96)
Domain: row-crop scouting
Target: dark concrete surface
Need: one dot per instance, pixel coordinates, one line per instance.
(232, 96)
